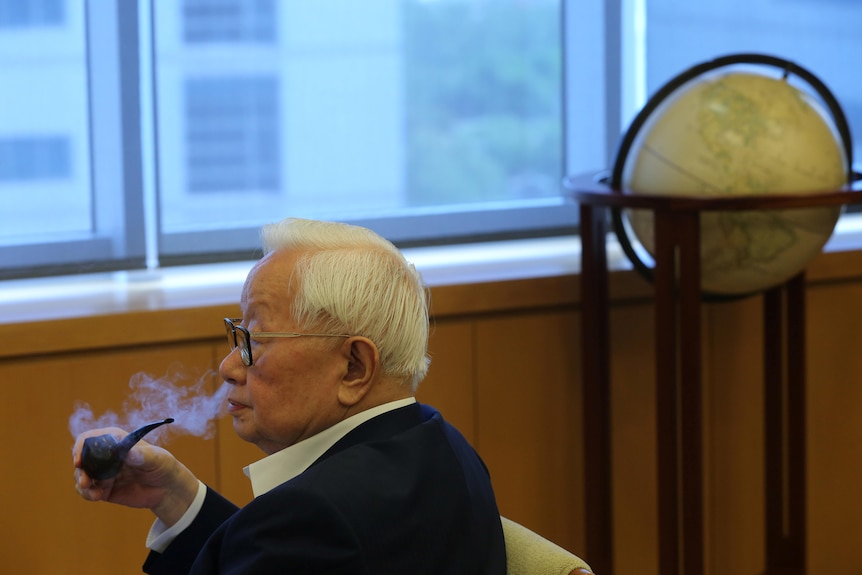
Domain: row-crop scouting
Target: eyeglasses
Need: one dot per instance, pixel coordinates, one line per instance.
(238, 336)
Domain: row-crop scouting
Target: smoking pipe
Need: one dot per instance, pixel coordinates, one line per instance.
(103, 456)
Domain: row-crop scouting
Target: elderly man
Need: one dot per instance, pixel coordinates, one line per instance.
(358, 477)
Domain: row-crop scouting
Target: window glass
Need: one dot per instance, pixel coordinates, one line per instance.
(380, 113)
(44, 170)
(483, 106)
(70, 154)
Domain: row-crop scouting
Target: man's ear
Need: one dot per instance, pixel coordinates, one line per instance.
(363, 361)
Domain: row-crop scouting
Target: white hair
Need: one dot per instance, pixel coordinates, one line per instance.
(351, 280)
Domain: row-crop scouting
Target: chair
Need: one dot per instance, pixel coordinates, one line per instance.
(528, 553)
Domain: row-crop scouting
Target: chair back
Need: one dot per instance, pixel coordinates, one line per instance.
(528, 553)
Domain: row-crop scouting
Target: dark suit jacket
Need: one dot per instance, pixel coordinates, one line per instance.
(402, 494)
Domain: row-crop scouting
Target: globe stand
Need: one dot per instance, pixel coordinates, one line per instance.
(678, 297)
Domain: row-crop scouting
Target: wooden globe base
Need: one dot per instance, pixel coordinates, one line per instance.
(678, 298)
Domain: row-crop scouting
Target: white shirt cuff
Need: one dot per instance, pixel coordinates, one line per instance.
(161, 536)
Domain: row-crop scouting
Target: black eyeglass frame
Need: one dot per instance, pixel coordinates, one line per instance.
(243, 342)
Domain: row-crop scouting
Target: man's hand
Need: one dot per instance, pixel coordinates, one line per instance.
(151, 478)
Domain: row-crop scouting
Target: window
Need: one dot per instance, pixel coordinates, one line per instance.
(184, 125)
(69, 177)
(424, 120)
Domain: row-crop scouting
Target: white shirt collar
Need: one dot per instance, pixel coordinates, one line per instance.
(281, 466)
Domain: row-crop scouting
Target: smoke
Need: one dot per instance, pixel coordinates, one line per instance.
(191, 403)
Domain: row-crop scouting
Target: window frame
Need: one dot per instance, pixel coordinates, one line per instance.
(124, 173)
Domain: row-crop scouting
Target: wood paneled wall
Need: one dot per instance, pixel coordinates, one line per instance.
(506, 371)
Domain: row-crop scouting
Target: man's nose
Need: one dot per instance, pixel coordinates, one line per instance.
(231, 369)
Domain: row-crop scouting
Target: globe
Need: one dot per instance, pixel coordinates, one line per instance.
(739, 132)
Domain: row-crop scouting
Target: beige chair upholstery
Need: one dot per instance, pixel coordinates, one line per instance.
(528, 553)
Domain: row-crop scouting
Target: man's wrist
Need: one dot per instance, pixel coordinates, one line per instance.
(178, 498)
(161, 535)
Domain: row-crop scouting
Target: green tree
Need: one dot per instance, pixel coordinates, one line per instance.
(484, 93)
